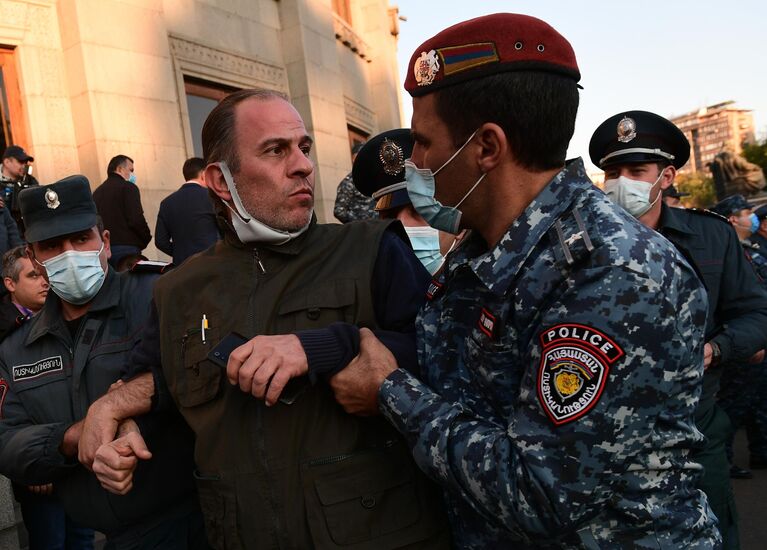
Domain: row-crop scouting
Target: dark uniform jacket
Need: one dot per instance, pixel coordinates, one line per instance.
(186, 223)
(48, 381)
(298, 475)
(561, 370)
(119, 205)
(737, 302)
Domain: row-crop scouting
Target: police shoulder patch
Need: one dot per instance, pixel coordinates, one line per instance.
(575, 363)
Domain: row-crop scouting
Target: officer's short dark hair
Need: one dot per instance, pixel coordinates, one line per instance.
(11, 265)
(218, 131)
(116, 162)
(193, 167)
(536, 111)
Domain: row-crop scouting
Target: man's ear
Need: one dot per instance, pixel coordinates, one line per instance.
(493, 146)
(215, 181)
(9, 284)
(106, 238)
(668, 177)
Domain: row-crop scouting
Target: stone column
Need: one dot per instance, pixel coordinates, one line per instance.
(316, 89)
(9, 539)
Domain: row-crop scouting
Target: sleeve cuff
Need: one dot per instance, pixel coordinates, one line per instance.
(53, 456)
(323, 354)
(398, 396)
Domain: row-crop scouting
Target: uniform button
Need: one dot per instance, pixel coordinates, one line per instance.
(368, 502)
(313, 313)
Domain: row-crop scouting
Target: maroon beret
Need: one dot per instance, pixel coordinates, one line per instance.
(488, 45)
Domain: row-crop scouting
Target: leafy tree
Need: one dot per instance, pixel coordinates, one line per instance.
(700, 187)
(756, 153)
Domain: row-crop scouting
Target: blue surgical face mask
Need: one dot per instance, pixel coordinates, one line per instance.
(755, 223)
(421, 187)
(425, 243)
(76, 276)
(132, 178)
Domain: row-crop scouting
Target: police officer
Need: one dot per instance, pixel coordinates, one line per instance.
(379, 173)
(672, 196)
(561, 348)
(350, 204)
(760, 237)
(70, 353)
(743, 395)
(640, 153)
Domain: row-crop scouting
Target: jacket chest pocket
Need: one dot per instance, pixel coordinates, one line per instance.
(199, 379)
(44, 389)
(317, 307)
(495, 370)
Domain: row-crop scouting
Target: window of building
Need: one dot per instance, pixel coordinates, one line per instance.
(201, 97)
(11, 114)
(356, 136)
(343, 9)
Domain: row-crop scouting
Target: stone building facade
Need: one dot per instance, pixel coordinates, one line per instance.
(84, 80)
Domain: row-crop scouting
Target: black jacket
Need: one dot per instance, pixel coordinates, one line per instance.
(186, 223)
(119, 205)
(737, 301)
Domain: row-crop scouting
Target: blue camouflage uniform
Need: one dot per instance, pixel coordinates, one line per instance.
(560, 375)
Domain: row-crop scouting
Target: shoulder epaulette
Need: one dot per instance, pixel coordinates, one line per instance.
(709, 213)
(574, 239)
(151, 266)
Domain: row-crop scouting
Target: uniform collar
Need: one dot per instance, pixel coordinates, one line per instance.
(672, 218)
(50, 319)
(498, 267)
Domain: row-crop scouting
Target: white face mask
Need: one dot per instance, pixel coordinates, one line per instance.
(425, 243)
(632, 195)
(249, 230)
(76, 276)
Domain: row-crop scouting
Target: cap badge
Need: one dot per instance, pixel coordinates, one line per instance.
(426, 68)
(52, 199)
(392, 157)
(627, 129)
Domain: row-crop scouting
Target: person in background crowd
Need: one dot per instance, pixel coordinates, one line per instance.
(118, 200)
(561, 345)
(15, 175)
(379, 172)
(350, 204)
(760, 237)
(672, 197)
(640, 153)
(186, 223)
(743, 395)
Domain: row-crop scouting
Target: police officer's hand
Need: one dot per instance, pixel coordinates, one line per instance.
(708, 354)
(356, 387)
(265, 364)
(116, 461)
(99, 427)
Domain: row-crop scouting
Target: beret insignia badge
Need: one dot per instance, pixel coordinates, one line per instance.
(627, 129)
(426, 68)
(391, 156)
(52, 199)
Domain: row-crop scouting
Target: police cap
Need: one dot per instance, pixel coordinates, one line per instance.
(638, 136)
(730, 205)
(14, 151)
(488, 45)
(57, 209)
(761, 212)
(673, 192)
(379, 169)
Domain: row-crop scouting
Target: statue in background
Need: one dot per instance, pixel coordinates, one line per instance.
(735, 175)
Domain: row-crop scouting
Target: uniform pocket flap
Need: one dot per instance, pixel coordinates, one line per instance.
(361, 485)
(333, 295)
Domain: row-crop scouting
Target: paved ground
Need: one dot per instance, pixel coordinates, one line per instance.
(751, 497)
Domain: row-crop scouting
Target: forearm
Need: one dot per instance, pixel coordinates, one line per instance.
(133, 398)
